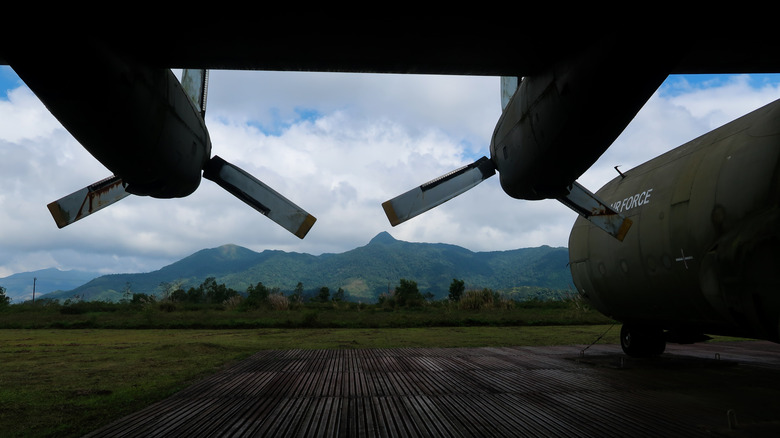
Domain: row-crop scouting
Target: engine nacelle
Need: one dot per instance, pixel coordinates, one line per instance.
(558, 123)
(136, 120)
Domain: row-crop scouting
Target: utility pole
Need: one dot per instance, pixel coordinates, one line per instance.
(34, 280)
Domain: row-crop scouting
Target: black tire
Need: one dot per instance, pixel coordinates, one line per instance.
(642, 341)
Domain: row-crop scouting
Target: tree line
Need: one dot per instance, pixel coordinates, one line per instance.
(405, 294)
(211, 293)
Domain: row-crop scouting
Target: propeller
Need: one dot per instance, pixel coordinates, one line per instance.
(238, 182)
(440, 190)
(429, 195)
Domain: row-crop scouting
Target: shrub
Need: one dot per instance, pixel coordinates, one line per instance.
(143, 299)
(4, 299)
(407, 294)
(310, 319)
(72, 310)
(256, 295)
(167, 306)
(324, 295)
(456, 290)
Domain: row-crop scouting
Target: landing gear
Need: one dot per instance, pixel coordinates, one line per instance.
(642, 341)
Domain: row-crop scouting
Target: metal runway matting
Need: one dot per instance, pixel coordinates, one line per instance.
(712, 389)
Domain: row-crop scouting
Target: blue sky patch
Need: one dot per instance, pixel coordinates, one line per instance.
(680, 84)
(8, 81)
(278, 124)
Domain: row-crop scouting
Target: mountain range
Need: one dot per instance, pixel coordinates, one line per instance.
(363, 273)
(20, 287)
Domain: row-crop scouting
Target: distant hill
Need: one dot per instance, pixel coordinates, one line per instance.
(19, 287)
(364, 272)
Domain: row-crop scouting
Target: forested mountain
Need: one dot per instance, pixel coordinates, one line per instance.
(19, 287)
(363, 273)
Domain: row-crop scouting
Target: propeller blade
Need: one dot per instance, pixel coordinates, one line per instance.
(86, 201)
(238, 182)
(195, 83)
(589, 206)
(259, 196)
(509, 85)
(438, 191)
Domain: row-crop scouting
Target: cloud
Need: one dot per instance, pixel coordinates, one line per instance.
(338, 145)
(684, 108)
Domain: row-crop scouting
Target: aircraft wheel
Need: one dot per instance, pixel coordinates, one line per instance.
(641, 341)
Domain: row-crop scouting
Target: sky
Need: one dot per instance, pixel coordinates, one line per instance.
(337, 145)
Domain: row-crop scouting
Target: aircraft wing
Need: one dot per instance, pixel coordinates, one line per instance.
(419, 45)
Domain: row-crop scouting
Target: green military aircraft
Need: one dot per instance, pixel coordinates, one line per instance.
(702, 253)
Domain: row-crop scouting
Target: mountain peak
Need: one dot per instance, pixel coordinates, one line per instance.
(231, 251)
(383, 238)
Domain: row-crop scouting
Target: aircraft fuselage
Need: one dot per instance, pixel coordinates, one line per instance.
(702, 254)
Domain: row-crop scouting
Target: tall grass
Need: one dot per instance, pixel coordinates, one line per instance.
(278, 302)
(476, 308)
